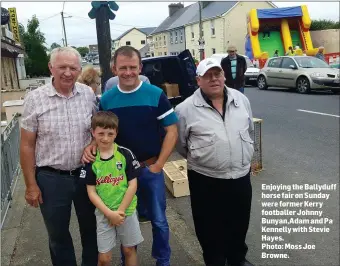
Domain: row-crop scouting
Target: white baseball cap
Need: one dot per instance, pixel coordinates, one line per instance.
(206, 64)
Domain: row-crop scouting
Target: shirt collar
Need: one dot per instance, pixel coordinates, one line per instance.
(52, 91)
(230, 95)
(205, 97)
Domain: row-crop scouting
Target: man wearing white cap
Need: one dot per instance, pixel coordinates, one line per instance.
(214, 135)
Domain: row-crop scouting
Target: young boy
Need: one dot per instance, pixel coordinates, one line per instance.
(111, 186)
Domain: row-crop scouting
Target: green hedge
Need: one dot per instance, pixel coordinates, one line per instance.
(324, 24)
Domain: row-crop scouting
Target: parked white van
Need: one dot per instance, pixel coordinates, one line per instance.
(251, 73)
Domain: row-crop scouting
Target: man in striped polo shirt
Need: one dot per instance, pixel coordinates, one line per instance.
(234, 67)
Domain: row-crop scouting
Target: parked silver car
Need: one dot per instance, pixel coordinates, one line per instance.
(304, 73)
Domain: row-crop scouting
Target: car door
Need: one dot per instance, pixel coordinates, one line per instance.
(189, 68)
(288, 72)
(272, 71)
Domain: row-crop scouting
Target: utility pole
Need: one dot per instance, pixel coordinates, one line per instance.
(104, 42)
(201, 40)
(62, 19)
(101, 11)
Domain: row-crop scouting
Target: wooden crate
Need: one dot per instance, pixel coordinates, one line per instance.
(176, 178)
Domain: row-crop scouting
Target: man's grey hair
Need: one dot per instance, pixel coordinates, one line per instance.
(231, 47)
(66, 50)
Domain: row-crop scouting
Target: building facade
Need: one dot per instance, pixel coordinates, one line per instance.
(221, 29)
(12, 61)
(224, 23)
(135, 37)
(176, 41)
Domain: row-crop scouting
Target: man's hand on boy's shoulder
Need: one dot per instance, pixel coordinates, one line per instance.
(89, 153)
(116, 218)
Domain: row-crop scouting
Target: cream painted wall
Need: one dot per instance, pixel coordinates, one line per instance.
(326, 38)
(134, 37)
(160, 44)
(230, 28)
(211, 41)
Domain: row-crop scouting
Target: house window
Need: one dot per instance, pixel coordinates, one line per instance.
(171, 41)
(164, 40)
(181, 36)
(128, 43)
(176, 37)
(213, 50)
(202, 33)
(142, 41)
(192, 32)
(212, 26)
(165, 53)
(193, 52)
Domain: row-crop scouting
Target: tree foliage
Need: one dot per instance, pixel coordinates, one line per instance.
(83, 50)
(324, 24)
(36, 59)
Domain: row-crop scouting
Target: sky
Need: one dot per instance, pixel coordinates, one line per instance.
(81, 30)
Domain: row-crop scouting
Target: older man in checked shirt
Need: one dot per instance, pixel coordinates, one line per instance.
(55, 130)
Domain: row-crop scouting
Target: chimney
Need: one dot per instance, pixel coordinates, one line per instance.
(173, 8)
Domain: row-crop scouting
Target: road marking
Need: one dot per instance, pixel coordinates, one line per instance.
(306, 111)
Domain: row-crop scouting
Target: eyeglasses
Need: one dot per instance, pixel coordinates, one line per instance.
(210, 76)
(231, 51)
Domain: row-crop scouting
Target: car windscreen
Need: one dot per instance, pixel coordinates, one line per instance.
(249, 63)
(311, 62)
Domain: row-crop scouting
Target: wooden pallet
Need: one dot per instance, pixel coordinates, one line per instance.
(176, 178)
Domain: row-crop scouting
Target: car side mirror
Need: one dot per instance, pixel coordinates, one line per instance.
(292, 67)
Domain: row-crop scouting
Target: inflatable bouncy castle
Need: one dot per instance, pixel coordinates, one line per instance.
(277, 29)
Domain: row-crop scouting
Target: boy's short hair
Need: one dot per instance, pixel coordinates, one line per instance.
(105, 120)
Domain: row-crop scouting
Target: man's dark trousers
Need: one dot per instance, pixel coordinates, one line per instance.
(58, 192)
(221, 212)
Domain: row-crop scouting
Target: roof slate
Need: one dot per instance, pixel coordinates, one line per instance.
(146, 31)
(190, 14)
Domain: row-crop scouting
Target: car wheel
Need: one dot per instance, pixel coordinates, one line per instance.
(303, 85)
(336, 91)
(262, 83)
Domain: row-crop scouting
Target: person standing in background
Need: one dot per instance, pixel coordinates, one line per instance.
(234, 67)
(91, 77)
(320, 54)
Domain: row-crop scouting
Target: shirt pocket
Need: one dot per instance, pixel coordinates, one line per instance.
(202, 150)
(247, 146)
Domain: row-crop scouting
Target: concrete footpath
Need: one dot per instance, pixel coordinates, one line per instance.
(24, 237)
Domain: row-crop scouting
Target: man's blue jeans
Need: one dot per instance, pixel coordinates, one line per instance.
(58, 192)
(152, 204)
(241, 90)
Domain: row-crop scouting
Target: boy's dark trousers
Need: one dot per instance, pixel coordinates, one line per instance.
(58, 193)
(221, 212)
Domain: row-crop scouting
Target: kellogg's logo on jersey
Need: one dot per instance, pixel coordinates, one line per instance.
(109, 179)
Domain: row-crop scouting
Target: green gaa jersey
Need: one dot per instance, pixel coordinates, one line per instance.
(111, 177)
